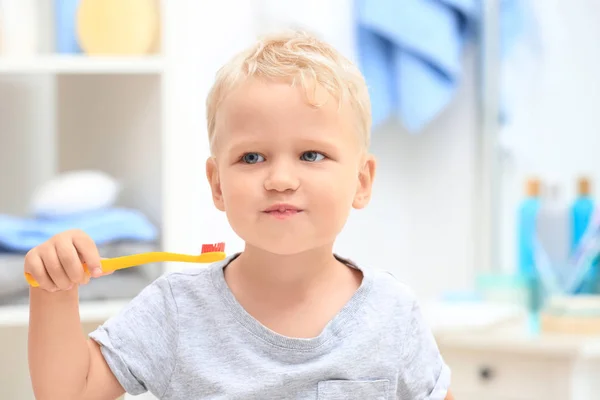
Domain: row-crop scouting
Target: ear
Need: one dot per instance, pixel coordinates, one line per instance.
(366, 175)
(212, 174)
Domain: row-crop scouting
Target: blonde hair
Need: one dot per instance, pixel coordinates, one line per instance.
(295, 56)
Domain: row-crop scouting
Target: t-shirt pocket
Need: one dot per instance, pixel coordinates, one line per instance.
(353, 390)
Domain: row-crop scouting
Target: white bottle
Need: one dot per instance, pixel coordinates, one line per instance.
(19, 23)
(553, 228)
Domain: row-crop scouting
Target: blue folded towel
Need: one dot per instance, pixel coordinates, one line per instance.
(410, 52)
(104, 226)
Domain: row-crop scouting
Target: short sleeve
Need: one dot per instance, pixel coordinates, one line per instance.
(424, 375)
(139, 343)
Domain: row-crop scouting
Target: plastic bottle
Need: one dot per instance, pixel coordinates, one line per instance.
(553, 228)
(526, 226)
(581, 211)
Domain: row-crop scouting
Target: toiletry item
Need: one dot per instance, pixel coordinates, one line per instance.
(528, 247)
(553, 229)
(581, 211)
(502, 288)
(526, 221)
(117, 27)
(210, 253)
(585, 275)
(65, 13)
(19, 24)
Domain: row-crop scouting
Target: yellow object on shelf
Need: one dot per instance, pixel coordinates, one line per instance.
(572, 315)
(118, 27)
(573, 325)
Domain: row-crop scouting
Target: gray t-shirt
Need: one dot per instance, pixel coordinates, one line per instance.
(186, 337)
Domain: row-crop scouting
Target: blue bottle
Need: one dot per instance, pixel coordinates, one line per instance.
(526, 268)
(526, 229)
(65, 13)
(581, 213)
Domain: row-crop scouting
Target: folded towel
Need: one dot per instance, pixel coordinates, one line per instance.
(410, 52)
(103, 226)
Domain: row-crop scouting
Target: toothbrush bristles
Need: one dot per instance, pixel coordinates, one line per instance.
(213, 247)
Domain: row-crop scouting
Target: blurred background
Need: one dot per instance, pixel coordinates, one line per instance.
(485, 129)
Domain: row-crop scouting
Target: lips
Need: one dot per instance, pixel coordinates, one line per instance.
(282, 210)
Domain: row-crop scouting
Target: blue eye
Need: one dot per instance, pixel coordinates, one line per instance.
(312, 156)
(252, 158)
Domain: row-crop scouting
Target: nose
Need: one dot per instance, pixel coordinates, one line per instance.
(281, 177)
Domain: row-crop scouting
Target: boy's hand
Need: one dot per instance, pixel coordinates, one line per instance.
(57, 264)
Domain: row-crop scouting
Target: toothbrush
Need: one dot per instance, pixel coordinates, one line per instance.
(585, 254)
(544, 268)
(210, 253)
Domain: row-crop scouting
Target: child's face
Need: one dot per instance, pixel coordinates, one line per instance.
(272, 148)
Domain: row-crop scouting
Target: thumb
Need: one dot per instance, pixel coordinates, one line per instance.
(97, 272)
(106, 272)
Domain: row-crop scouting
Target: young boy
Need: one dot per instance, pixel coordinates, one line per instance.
(288, 124)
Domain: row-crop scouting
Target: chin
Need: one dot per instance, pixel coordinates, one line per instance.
(284, 245)
(284, 242)
(283, 248)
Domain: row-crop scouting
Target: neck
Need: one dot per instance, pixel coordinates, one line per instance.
(260, 268)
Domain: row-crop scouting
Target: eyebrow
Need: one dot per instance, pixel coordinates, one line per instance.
(311, 144)
(238, 145)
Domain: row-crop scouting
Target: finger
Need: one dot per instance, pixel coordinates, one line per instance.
(54, 268)
(69, 260)
(35, 267)
(88, 252)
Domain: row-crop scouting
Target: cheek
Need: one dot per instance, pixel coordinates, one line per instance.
(335, 192)
(236, 189)
(238, 201)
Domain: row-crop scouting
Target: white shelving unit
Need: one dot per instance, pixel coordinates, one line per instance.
(140, 119)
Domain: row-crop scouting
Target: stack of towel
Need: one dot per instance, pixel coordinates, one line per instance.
(116, 231)
(18, 234)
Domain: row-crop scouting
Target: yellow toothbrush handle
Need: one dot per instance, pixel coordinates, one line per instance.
(113, 264)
